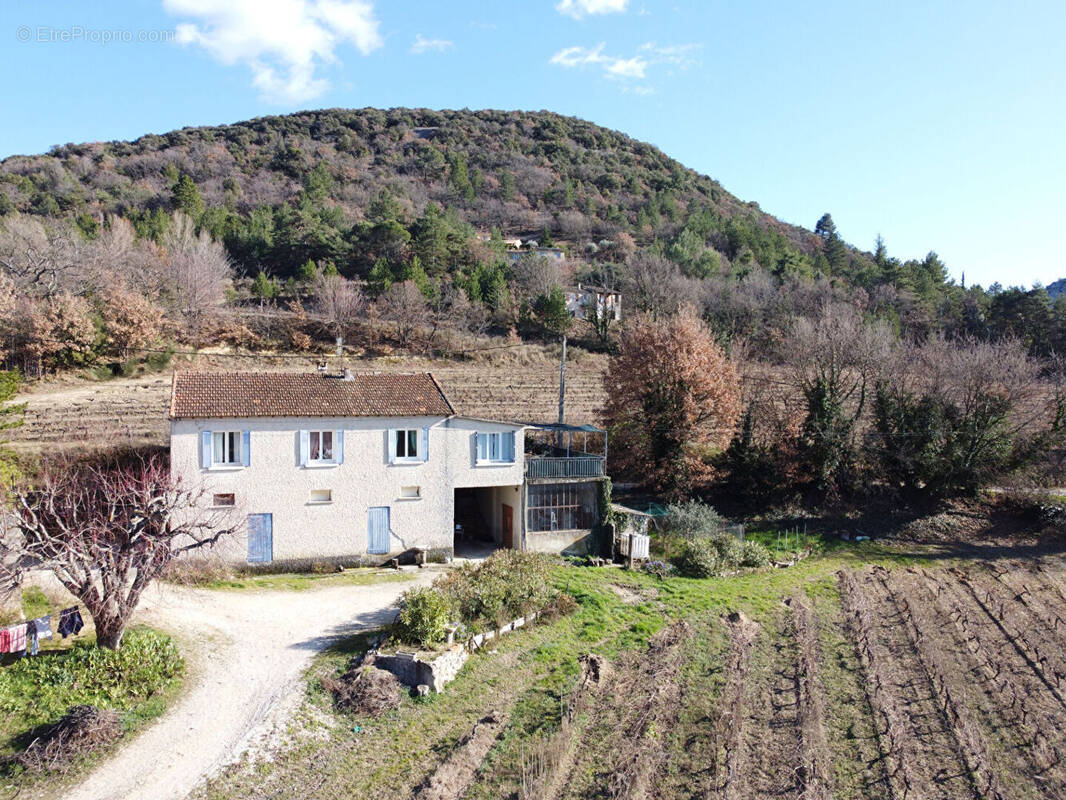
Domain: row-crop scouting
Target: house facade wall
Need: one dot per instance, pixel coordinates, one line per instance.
(275, 483)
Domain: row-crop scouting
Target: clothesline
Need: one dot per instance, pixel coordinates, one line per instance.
(26, 635)
(48, 613)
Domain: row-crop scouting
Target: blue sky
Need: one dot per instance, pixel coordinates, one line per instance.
(940, 125)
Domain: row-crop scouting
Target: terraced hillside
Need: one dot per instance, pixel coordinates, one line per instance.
(900, 679)
(134, 410)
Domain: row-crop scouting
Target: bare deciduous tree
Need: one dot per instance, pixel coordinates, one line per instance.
(835, 359)
(535, 276)
(40, 258)
(656, 285)
(404, 305)
(338, 302)
(196, 270)
(107, 529)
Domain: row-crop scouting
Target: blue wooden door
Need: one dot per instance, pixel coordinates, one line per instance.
(260, 538)
(377, 530)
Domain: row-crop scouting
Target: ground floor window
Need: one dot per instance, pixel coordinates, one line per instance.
(561, 507)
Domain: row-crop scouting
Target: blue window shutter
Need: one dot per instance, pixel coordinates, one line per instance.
(482, 447)
(424, 449)
(305, 447)
(378, 539)
(205, 449)
(338, 447)
(508, 446)
(260, 538)
(246, 448)
(391, 436)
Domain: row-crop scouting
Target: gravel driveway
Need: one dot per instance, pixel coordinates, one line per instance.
(245, 652)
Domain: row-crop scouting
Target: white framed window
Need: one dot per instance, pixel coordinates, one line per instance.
(410, 492)
(321, 496)
(407, 444)
(495, 448)
(225, 500)
(226, 448)
(320, 447)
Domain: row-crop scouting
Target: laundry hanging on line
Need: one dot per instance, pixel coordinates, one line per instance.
(24, 637)
(13, 638)
(70, 622)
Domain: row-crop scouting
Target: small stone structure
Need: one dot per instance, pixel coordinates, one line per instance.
(436, 670)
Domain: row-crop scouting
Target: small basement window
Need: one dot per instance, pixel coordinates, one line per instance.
(410, 492)
(224, 500)
(321, 496)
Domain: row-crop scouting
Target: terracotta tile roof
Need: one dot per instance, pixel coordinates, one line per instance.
(210, 395)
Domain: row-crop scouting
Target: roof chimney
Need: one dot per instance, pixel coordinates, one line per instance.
(349, 375)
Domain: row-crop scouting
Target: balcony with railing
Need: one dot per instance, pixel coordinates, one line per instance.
(556, 451)
(573, 467)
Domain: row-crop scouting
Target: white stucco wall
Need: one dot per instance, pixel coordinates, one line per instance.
(275, 483)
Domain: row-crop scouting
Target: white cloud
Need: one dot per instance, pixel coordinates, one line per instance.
(680, 55)
(612, 66)
(423, 45)
(633, 68)
(580, 8)
(283, 42)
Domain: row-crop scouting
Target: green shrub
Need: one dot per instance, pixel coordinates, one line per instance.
(506, 585)
(718, 553)
(692, 519)
(754, 555)
(730, 550)
(424, 617)
(697, 558)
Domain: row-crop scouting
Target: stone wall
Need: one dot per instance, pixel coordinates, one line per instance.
(439, 669)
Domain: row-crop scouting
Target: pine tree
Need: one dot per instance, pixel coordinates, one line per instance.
(264, 287)
(187, 198)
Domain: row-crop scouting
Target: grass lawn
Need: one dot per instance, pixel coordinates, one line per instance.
(139, 681)
(529, 675)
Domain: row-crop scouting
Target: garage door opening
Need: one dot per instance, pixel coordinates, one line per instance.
(487, 518)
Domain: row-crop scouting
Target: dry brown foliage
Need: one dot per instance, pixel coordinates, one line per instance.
(81, 731)
(672, 396)
(365, 690)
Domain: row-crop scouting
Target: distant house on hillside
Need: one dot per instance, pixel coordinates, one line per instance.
(511, 242)
(355, 469)
(606, 302)
(551, 253)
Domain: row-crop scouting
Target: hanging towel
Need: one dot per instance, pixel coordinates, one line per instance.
(70, 622)
(13, 639)
(31, 632)
(43, 626)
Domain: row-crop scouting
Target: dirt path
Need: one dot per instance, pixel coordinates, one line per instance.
(246, 653)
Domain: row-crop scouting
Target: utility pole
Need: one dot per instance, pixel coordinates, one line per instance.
(562, 395)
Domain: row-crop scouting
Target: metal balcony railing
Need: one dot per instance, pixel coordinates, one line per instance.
(573, 467)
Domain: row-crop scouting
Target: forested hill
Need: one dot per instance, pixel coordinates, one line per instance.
(395, 196)
(281, 190)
